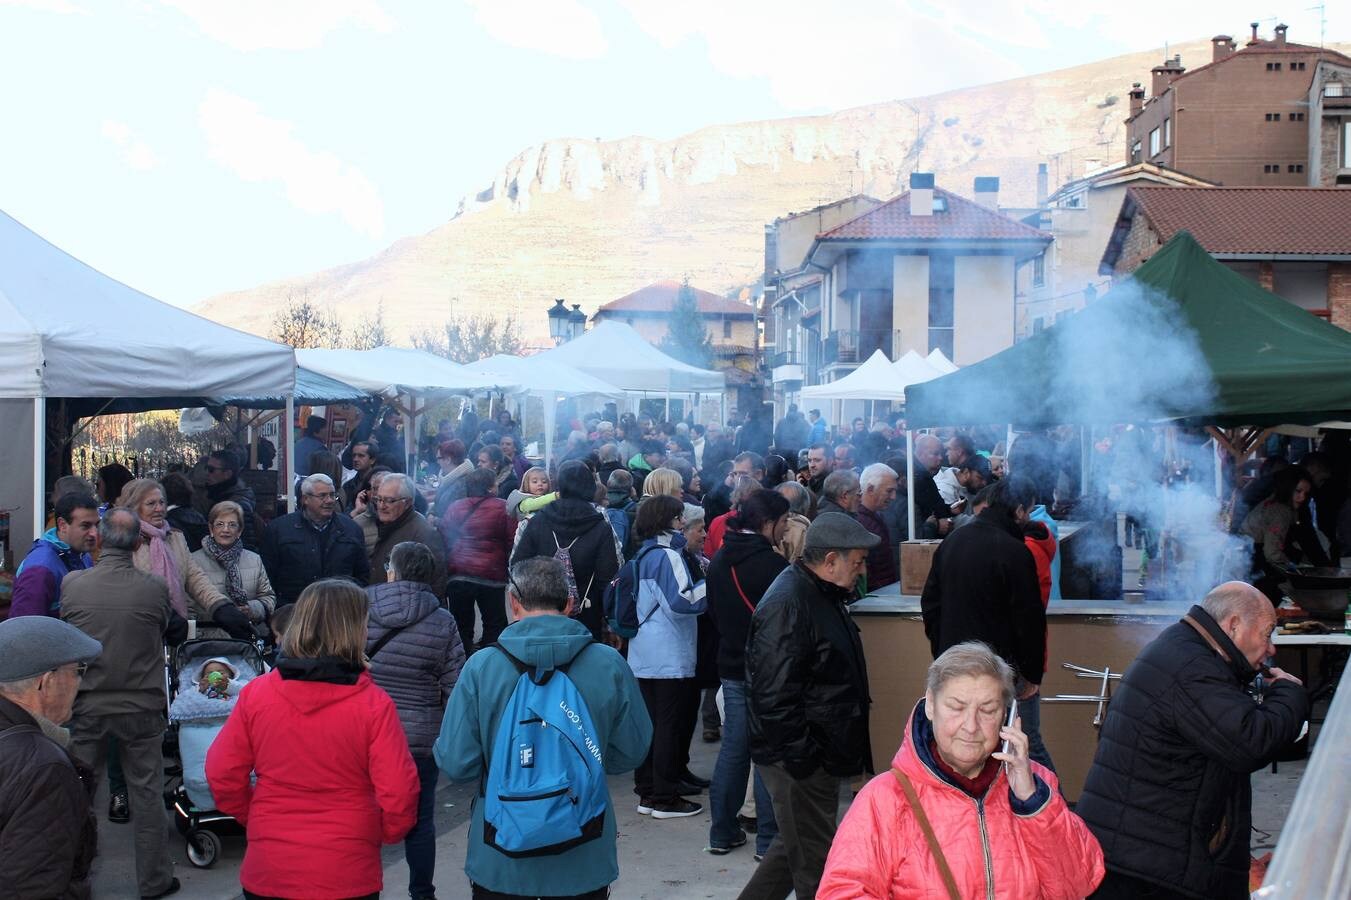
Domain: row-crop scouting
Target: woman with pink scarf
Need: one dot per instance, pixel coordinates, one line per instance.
(164, 552)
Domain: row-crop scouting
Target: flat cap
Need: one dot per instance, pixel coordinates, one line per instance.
(31, 645)
(836, 531)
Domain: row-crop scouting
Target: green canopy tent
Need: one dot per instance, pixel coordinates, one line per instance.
(1183, 338)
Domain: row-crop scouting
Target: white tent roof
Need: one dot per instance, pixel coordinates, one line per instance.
(876, 379)
(67, 330)
(615, 353)
(940, 362)
(915, 369)
(398, 370)
(542, 377)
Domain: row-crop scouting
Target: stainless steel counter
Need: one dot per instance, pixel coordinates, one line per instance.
(890, 601)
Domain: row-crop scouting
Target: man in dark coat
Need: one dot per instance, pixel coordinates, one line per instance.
(877, 489)
(807, 701)
(933, 517)
(397, 521)
(48, 833)
(315, 542)
(983, 587)
(791, 434)
(223, 483)
(1169, 795)
(573, 523)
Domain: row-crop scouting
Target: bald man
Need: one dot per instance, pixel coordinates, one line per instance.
(1169, 794)
(934, 517)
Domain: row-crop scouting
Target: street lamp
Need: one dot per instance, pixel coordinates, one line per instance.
(576, 321)
(558, 321)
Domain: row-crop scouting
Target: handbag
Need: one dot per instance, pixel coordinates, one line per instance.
(944, 869)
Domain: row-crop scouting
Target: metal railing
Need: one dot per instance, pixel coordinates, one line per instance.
(785, 358)
(856, 346)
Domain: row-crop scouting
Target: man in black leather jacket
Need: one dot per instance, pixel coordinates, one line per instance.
(807, 701)
(1169, 795)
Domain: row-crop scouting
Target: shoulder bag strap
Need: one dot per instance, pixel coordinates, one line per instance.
(943, 869)
(384, 639)
(737, 581)
(1207, 637)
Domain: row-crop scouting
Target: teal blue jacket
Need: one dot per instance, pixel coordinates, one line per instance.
(470, 725)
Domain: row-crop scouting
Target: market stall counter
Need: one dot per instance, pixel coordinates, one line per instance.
(1092, 634)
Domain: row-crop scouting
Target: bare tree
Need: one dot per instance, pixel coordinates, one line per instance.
(368, 332)
(466, 339)
(303, 323)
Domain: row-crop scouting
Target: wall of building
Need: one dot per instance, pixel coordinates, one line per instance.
(910, 302)
(983, 315)
(795, 234)
(653, 328)
(1339, 294)
(1220, 130)
(1140, 244)
(1151, 117)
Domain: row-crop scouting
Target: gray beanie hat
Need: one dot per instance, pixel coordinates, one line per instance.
(31, 645)
(836, 531)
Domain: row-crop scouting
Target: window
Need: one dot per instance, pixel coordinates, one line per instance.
(1273, 117)
(1297, 117)
(1135, 152)
(1297, 67)
(1273, 67)
(1039, 271)
(1168, 132)
(1268, 169)
(1334, 89)
(1154, 145)
(1295, 167)
(726, 328)
(1346, 145)
(942, 281)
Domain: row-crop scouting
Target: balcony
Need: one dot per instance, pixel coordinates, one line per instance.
(853, 347)
(786, 369)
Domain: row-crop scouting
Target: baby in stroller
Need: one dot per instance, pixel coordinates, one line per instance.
(206, 694)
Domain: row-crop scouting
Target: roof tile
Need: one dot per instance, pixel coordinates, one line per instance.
(963, 220)
(1296, 220)
(660, 297)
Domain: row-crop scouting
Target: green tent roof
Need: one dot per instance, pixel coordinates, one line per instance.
(1183, 337)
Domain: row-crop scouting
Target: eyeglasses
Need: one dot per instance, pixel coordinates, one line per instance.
(226, 525)
(388, 501)
(214, 469)
(80, 669)
(324, 498)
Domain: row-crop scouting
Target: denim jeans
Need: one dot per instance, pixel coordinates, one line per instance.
(728, 790)
(419, 847)
(1029, 711)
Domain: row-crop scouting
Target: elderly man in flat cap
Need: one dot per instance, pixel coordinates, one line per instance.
(807, 701)
(47, 828)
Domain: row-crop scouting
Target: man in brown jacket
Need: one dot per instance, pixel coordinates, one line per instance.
(122, 696)
(396, 521)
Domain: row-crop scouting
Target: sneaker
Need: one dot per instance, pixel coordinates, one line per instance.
(749, 824)
(758, 857)
(644, 806)
(723, 851)
(119, 811)
(677, 809)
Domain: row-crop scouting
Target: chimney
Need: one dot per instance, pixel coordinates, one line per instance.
(1254, 39)
(1137, 99)
(1221, 45)
(1164, 74)
(987, 192)
(921, 194)
(1042, 190)
(1280, 35)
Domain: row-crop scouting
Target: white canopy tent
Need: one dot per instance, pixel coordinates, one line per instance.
(547, 379)
(615, 353)
(877, 379)
(69, 331)
(940, 362)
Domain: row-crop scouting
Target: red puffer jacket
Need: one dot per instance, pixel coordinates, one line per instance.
(335, 780)
(479, 535)
(880, 851)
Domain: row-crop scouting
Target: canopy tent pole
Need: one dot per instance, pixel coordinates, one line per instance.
(550, 414)
(1085, 458)
(284, 438)
(1218, 458)
(910, 483)
(252, 445)
(39, 465)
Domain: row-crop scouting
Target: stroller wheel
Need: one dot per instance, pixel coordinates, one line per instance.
(203, 847)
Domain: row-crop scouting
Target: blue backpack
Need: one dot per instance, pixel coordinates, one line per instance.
(545, 791)
(621, 598)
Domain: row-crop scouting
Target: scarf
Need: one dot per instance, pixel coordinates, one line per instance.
(163, 564)
(385, 529)
(228, 558)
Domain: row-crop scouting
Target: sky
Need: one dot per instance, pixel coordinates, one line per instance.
(190, 147)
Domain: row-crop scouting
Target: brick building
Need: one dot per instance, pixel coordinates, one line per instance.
(1273, 113)
(1295, 242)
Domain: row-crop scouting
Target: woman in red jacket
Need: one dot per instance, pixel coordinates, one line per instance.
(956, 816)
(335, 779)
(479, 535)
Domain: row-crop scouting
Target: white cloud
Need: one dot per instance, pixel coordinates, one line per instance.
(262, 149)
(135, 152)
(561, 27)
(64, 7)
(280, 24)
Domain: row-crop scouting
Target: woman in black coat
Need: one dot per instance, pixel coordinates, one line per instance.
(573, 524)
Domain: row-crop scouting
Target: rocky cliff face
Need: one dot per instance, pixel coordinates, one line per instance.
(591, 221)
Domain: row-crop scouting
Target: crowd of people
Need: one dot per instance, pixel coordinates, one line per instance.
(408, 619)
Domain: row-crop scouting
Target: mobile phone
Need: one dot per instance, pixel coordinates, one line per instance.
(1008, 722)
